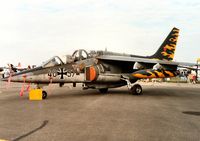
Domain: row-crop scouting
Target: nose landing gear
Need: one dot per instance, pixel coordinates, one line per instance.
(103, 90)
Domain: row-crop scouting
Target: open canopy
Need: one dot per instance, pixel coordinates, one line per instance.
(54, 61)
(78, 55)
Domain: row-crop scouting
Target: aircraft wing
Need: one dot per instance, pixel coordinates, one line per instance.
(191, 66)
(144, 60)
(135, 59)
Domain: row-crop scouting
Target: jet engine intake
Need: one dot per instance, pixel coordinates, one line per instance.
(138, 66)
(157, 67)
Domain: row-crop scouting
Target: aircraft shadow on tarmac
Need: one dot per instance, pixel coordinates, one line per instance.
(147, 92)
(88, 93)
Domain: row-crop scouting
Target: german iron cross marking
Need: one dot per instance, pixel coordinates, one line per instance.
(62, 72)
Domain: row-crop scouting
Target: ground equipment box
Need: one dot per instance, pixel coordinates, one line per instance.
(35, 94)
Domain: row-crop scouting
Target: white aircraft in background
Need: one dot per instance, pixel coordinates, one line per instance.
(5, 71)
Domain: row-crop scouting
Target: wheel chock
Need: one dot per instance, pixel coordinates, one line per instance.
(35, 94)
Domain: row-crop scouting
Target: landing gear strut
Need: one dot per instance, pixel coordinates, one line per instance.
(103, 90)
(135, 89)
(44, 94)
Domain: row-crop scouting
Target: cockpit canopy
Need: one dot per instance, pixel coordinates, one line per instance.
(78, 55)
(54, 61)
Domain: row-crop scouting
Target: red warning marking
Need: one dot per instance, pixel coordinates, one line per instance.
(23, 86)
(22, 91)
(28, 87)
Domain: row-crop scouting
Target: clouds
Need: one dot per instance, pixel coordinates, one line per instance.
(36, 30)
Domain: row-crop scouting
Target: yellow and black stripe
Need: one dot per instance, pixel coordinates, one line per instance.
(168, 47)
(150, 73)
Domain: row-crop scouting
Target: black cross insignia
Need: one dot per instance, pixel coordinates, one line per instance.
(62, 72)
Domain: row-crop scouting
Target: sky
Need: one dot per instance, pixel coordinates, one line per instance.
(32, 31)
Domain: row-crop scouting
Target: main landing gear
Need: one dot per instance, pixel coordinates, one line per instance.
(135, 89)
(103, 90)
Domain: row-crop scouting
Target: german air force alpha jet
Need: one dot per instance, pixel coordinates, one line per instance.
(102, 70)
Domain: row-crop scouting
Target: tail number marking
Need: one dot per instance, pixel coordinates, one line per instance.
(61, 72)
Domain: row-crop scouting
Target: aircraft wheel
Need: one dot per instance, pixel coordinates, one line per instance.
(103, 90)
(44, 94)
(136, 89)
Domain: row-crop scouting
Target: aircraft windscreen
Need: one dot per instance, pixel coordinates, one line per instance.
(53, 62)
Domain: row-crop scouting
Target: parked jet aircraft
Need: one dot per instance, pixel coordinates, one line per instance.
(102, 70)
(5, 71)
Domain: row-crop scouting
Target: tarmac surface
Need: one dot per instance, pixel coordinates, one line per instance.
(167, 112)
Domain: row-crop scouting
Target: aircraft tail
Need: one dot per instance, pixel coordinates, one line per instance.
(167, 49)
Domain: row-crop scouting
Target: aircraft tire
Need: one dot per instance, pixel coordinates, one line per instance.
(44, 94)
(103, 90)
(136, 89)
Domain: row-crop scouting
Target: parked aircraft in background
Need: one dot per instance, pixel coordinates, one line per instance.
(10, 68)
(102, 69)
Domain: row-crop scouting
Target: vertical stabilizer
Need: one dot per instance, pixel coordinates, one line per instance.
(167, 49)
